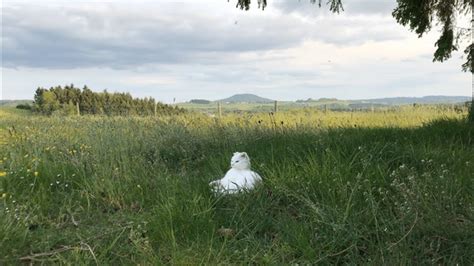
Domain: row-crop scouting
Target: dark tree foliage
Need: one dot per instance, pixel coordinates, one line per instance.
(66, 101)
(420, 15)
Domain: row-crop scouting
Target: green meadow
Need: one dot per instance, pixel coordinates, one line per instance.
(390, 187)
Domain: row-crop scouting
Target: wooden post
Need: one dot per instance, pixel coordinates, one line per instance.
(325, 108)
(275, 107)
(219, 109)
(372, 109)
(156, 107)
(77, 109)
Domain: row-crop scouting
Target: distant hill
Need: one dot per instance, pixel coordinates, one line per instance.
(395, 100)
(245, 98)
(320, 100)
(14, 103)
(418, 100)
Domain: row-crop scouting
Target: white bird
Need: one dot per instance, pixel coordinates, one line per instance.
(238, 178)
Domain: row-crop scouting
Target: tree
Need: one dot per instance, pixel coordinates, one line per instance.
(50, 103)
(420, 15)
(38, 102)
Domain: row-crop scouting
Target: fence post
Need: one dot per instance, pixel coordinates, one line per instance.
(77, 109)
(275, 107)
(219, 109)
(156, 107)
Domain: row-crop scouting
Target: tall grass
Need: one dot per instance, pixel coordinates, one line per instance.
(377, 188)
(471, 112)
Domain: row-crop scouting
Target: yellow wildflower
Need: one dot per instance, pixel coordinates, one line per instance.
(36, 173)
(3, 174)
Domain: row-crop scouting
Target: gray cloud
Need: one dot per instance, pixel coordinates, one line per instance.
(370, 7)
(122, 36)
(351, 7)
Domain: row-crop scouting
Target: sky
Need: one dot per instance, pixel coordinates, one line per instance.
(208, 49)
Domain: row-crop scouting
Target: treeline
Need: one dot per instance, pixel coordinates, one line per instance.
(70, 100)
(200, 101)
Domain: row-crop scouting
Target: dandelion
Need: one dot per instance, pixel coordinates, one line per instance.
(2, 174)
(36, 174)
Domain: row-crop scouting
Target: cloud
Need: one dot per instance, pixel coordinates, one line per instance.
(351, 7)
(123, 36)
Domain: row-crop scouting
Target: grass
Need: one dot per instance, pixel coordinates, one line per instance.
(359, 188)
(285, 106)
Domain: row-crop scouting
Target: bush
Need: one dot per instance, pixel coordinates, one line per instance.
(24, 106)
(200, 101)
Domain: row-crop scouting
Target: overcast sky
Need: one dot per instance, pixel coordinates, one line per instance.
(210, 49)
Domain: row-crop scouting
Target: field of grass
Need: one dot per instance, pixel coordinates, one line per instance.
(334, 105)
(211, 108)
(385, 187)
